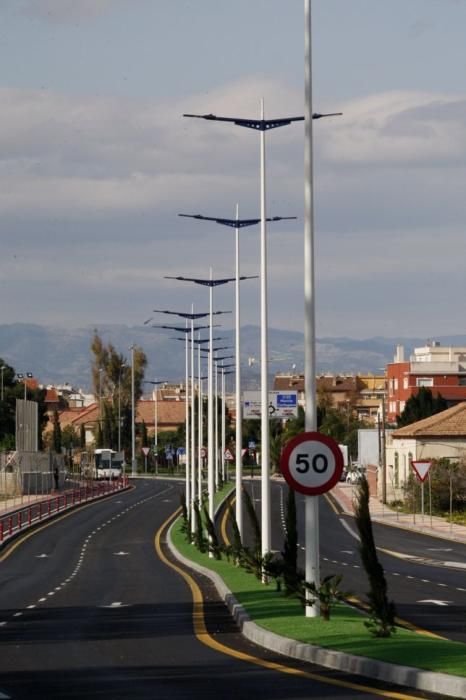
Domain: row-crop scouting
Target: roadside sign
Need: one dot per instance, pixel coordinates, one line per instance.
(251, 445)
(180, 451)
(421, 469)
(311, 463)
(282, 404)
(228, 456)
(145, 451)
(244, 451)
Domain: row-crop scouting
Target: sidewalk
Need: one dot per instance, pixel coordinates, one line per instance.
(345, 494)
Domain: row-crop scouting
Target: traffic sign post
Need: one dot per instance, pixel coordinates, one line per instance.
(312, 464)
(145, 452)
(421, 470)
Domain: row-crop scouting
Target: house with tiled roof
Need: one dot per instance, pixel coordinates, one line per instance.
(170, 414)
(440, 435)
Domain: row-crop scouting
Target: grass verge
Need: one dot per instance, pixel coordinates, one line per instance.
(344, 632)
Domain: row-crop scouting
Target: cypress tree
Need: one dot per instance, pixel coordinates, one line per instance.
(382, 611)
(56, 438)
(290, 546)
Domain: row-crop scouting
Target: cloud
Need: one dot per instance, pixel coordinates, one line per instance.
(401, 128)
(90, 188)
(66, 10)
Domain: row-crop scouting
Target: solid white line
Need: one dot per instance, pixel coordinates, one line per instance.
(349, 529)
(18, 614)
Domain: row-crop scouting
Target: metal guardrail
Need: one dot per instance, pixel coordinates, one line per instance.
(27, 516)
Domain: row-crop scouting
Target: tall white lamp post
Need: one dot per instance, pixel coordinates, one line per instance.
(155, 384)
(122, 366)
(133, 418)
(262, 125)
(237, 224)
(312, 572)
(191, 316)
(210, 283)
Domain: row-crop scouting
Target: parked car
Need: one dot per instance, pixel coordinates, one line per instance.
(354, 475)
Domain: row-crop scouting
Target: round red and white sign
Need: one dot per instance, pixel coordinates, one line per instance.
(311, 463)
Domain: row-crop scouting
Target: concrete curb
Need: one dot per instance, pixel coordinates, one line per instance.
(452, 686)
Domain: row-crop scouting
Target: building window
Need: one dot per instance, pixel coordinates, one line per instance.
(395, 383)
(392, 406)
(405, 383)
(462, 381)
(425, 381)
(402, 406)
(397, 470)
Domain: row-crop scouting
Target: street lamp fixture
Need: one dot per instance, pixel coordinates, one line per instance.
(262, 125)
(237, 224)
(192, 316)
(210, 283)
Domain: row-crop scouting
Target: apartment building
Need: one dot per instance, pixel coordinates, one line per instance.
(440, 368)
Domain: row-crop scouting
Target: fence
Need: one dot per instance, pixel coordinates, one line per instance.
(25, 516)
(23, 474)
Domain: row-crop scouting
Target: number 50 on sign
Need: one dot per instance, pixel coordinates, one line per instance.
(311, 463)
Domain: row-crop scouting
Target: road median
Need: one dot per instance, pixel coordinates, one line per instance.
(270, 619)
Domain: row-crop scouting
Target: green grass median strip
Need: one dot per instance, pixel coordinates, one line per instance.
(344, 632)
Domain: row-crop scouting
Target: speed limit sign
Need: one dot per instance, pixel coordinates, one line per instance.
(311, 463)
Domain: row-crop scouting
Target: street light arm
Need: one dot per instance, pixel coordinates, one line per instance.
(235, 223)
(256, 124)
(209, 282)
(182, 329)
(182, 314)
(316, 115)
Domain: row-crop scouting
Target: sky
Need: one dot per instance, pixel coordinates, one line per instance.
(96, 160)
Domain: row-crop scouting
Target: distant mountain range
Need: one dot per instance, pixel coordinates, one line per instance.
(58, 355)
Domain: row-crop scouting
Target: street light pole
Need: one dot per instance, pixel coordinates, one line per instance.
(210, 283)
(193, 442)
(133, 418)
(312, 572)
(2, 369)
(237, 224)
(192, 316)
(100, 402)
(262, 125)
(119, 406)
(155, 384)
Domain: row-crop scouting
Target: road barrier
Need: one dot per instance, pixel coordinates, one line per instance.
(27, 516)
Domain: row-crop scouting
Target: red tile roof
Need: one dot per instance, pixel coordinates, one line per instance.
(449, 423)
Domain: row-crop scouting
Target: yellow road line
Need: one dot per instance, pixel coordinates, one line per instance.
(201, 633)
(223, 525)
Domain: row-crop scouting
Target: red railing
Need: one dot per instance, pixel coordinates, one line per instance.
(27, 516)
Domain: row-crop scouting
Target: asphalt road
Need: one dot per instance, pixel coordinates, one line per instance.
(88, 610)
(426, 576)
